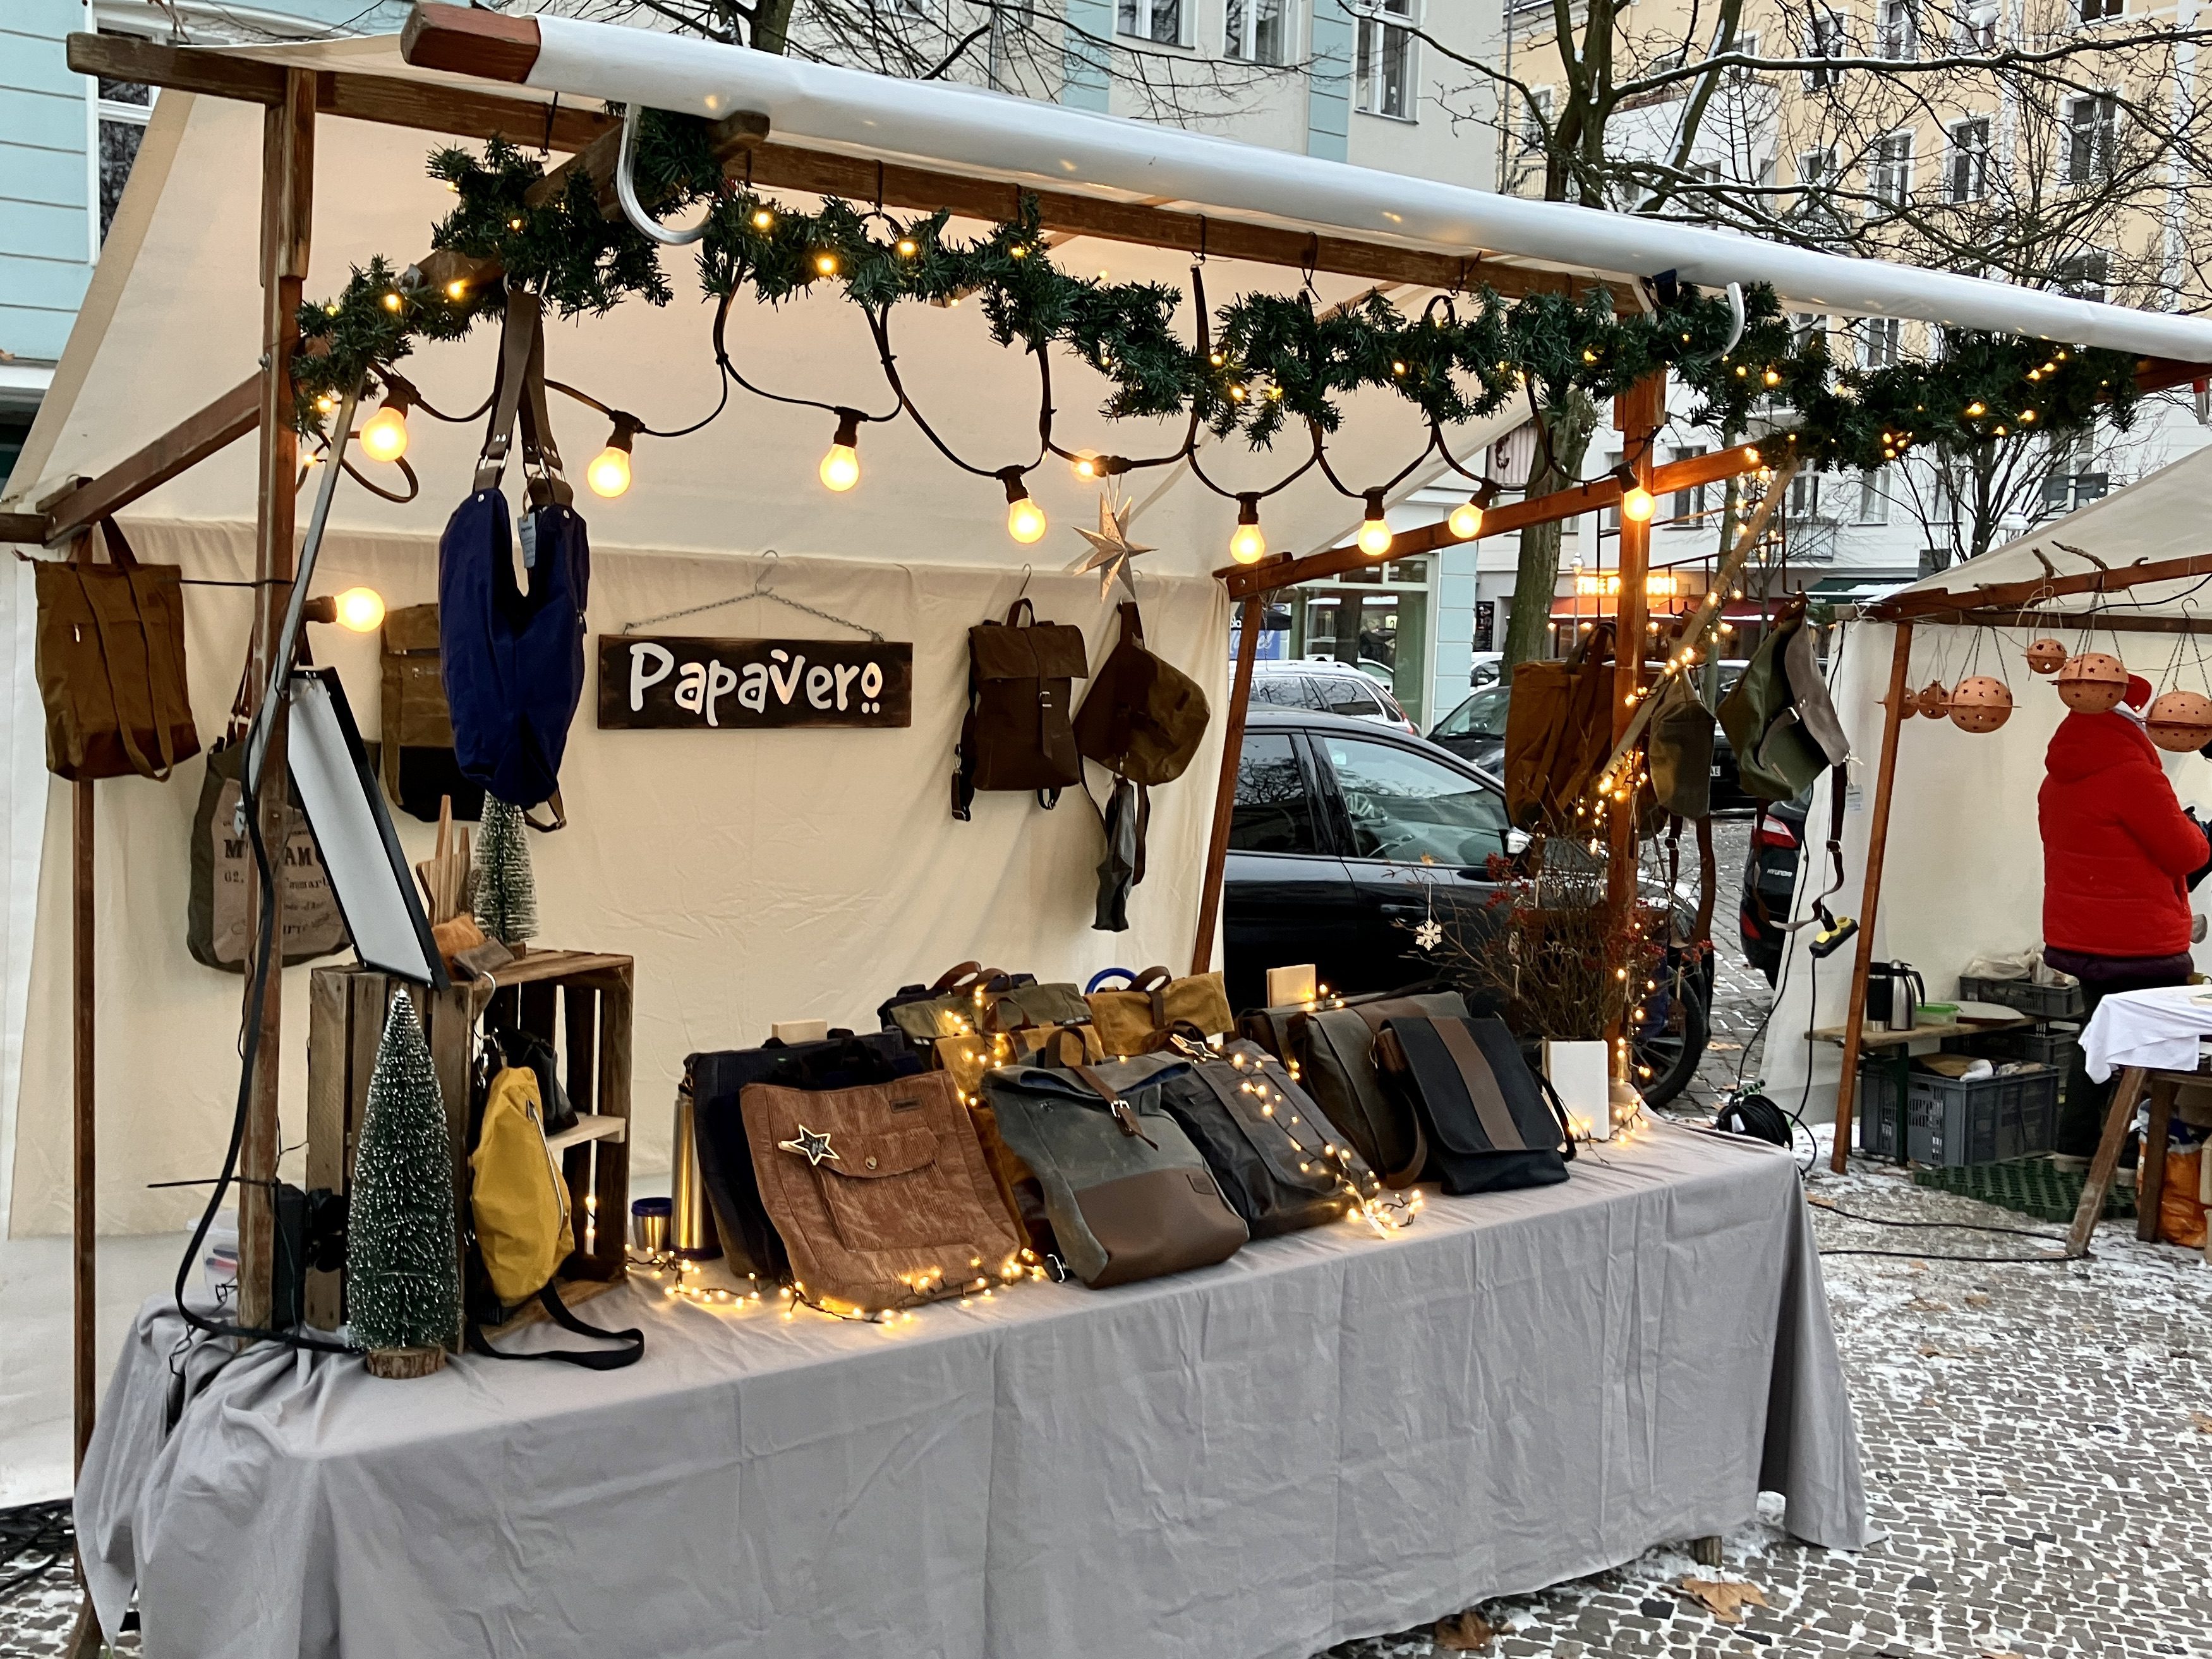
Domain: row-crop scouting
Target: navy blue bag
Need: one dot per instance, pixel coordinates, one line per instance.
(513, 659)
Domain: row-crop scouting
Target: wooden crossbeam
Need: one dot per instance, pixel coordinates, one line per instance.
(29, 528)
(2062, 622)
(1244, 579)
(2004, 596)
(183, 446)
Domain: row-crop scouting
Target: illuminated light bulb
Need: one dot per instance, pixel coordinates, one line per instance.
(455, 289)
(1638, 505)
(1398, 367)
(360, 609)
(1248, 546)
(909, 247)
(1085, 464)
(514, 224)
(1974, 408)
(1374, 529)
(1751, 454)
(762, 219)
(1772, 378)
(609, 472)
(840, 467)
(1025, 520)
(384, 437)
(392, 302)
(825, 264)
(1466, 521)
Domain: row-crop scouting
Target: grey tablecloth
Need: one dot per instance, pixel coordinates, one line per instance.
(1326, 1437)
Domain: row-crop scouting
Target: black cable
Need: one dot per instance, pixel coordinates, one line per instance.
(1834, 1208)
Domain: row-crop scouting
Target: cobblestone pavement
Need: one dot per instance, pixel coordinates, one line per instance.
(2037, 1441)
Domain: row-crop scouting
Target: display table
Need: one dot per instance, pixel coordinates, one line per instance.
(1329, 1436)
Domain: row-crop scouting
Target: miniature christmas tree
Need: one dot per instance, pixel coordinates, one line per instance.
(505, 895)
(403, 1279)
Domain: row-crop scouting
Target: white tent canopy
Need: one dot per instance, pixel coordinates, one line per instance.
(755, 876)
(1963, 870)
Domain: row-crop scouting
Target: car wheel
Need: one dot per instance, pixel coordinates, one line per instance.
(1671, 1046)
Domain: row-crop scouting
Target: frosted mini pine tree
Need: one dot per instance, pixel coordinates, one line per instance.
(403, 1279)
(507, 894)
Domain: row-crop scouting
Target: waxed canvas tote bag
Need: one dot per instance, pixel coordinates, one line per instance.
(1143, 718)
(1488, 1122)
(1679, 751)
(1336, 1056)
(1138, 1019)
(218, 930)
(1558, 730)
(110, 663)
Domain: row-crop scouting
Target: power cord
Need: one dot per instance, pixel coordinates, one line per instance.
(1834, 1208)
(44, 1528)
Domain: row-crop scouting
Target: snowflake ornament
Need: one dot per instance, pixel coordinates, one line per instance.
(1429, 934)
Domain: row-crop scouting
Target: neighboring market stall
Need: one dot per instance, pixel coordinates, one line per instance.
(718, 882)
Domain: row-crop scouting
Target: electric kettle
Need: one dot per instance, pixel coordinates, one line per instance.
(1894, 991)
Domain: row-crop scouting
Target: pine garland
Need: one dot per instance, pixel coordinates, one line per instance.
(403, 1277)
(505, 902)
(1273, 360)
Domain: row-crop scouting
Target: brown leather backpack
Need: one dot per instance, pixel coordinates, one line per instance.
(876, 1189)
(1143, 718)
(1558, 732)
(1021, 677)
(111, 663)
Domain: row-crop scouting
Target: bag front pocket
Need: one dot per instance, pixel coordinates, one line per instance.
(883, 1191)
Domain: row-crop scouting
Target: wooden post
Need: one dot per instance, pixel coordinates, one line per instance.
(1638, 413)
(1250, 616)
(2127, 1094)
(288, 153)
(1900, 659)
(84, 1217)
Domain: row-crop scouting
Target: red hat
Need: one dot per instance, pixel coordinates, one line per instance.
(2138, 691)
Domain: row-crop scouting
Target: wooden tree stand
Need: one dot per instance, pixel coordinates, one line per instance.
(578, 1000)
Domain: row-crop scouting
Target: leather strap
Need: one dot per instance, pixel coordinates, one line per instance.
(518, 326)
(1390, 1055)
(606, 1359)
(1125, 1115)
(1481, 1085)
(959, 973)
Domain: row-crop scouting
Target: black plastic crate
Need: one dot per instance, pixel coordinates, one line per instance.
(1952, 1122)
(2043, 1001)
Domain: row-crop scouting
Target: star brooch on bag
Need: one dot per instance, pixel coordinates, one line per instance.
(808, 1145)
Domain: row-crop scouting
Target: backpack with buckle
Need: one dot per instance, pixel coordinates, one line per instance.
(1017, 734)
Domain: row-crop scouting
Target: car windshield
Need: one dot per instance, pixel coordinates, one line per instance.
(1409, 807)
(1482, 715)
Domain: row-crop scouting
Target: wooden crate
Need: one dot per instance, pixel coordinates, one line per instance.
(580, 1001)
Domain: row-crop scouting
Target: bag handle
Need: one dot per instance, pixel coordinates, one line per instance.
(1133, 622)
(1018, 606)
(119, 548)
(956, 974)
(606, 1359)
(1390, 1056)
(518, 326)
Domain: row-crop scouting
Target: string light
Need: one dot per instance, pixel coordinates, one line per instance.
(609, 472)
(1374, 529)
(384, 437)
(1025, 520)
(1250, 544)
(1466, 520)
(360, 609)
(840, 467)
(1636, 503)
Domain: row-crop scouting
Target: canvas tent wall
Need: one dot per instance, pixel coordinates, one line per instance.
(753, 877)
(1963, 870)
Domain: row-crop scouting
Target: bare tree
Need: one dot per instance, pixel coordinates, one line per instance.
(2051, 143)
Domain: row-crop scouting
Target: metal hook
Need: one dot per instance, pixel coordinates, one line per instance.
(626, 193)
(1735, 317)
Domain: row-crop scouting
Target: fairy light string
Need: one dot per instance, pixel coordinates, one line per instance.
(1264, 364)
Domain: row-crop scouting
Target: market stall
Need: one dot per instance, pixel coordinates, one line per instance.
(1611, 1356)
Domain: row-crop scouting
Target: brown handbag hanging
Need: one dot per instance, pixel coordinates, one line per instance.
(1143, 718)
(111, 663)
(1017, 736)
(1558, 732)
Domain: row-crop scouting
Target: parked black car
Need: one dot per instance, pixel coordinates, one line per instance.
(1770, 882)
(1333, 820)
(1475, 732)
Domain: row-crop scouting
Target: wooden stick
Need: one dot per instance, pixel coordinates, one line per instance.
(287, 185)
(2003, 596)
(2117, 1121)
(1243, 580)
(84, 1212)
(183, 446)
(2059, 622)
(1224, 792)
(1900, 661)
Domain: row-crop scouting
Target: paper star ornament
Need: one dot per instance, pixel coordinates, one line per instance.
(1111, 549)
(808, 1145)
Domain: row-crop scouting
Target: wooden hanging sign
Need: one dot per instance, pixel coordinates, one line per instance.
(664, 682)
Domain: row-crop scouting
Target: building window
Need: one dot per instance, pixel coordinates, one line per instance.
(2074, 481)
(1385, 68)
(1816, 175)
(1686, 508)
(1747, 45)
(1880, 339)
(1804, 499)
(1874, 501)
(2083, 277)
(1257, 31)
(2093, 11)
(1889, 174)
(1978, 28)
(1826, 39)
(1968, 179)
(125, 108)
(1159, 20)
(1536, 122)
(1899, 35)
(2093, 124)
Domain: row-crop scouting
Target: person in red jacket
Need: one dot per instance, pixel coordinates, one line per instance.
(2118, 854)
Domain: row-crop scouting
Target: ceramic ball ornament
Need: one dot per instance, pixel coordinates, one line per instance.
(1980, 704)
(2179, 721)
(1935, 700)
(2046, 656)
(2093, 683)
(1908, 703)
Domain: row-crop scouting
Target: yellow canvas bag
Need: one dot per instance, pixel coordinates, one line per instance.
(517, 1194)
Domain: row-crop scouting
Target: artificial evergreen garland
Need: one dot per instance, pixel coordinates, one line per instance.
(1264, 360)
(403, 1275)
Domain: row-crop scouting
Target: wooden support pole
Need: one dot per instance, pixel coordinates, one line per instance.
(287, 157)
(2127, 1094)
(1639, 413)
(183, 446)
(1249, 618)
(1900, 661)
(84, 1217)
